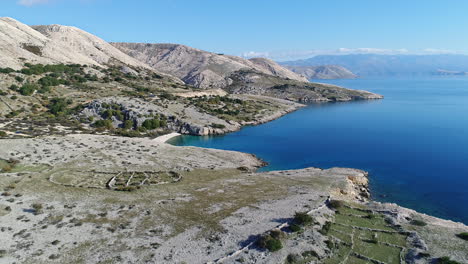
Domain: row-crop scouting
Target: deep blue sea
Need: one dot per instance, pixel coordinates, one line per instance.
(414, 143)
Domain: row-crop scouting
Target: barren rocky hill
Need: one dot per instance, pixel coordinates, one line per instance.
(323, 72)
(20, 43)
(200, 68)
(88, 45)
(55, 44)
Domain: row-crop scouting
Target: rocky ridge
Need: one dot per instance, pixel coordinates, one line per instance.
(200, 68)
(55, 44)
(322, 72)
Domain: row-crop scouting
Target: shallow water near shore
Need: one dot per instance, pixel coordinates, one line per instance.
(414, 143)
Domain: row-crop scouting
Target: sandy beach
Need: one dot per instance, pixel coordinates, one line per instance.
(165, 138)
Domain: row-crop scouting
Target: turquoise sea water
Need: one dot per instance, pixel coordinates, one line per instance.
(414, 143)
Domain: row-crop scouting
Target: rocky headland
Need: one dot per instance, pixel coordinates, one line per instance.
(92, 198)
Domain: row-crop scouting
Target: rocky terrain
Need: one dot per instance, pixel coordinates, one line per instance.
(256, 83)
(93, 199)
(322, 72)
(20, 43)
(200, 68)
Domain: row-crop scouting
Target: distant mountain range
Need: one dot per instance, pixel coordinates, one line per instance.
(323, 72)
(373, 65)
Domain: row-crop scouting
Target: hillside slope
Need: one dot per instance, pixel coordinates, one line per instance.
(86, 44)
(55, 44)
(323, 72)
(197, 67)
(20, 43)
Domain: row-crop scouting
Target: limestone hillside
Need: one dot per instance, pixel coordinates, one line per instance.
(323, 72)
(201, 68)
(55, 44)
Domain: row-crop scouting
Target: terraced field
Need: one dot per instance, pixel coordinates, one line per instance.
(364, 236)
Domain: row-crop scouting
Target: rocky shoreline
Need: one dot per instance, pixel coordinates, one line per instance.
(217, 205)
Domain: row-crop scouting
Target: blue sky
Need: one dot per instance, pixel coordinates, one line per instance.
(273, 28)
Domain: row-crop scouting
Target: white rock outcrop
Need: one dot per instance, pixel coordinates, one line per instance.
(54, 44)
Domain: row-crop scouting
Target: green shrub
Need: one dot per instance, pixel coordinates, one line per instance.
(167, 96)
(273, 245)
(330, 244)
(277, 234)
(44, 89)
(418, 223)
(6, 70)
(309, 253)
(270, 243)
(107, 114)
(335, 204)
(3, 134)
(446, 260)
(218, 126)
(37, 208)
(295, 228)
(141, 129)
(292, 259)
(104, 124)
(128, 124)
(49, 81)
(92, 78)
(28, 89)
(14, 87)
(302, 218)
(36, 69)
(151, 124)
(463, 235)
(325, 228)
(59, 106)
(78, 78)
(12, 114)
(19, 79)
